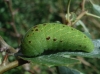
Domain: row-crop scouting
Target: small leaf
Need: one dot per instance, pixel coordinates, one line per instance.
(61, 58)
(96, 9)
(84, 27)
(66, 70)
(52, 60)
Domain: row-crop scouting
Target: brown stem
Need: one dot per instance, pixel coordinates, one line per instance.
(5, 59)
(12, 65)
(79, 17)
(83, 5)
(5, 47)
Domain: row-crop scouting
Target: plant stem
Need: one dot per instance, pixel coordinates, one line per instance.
(79, 17)
(68, 13)
(83, 5)
(89, 14)
(68, 9)
(82, 14)
(91, 1)
(12, 65)
(5, 47)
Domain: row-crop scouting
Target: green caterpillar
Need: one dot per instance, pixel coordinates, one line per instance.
(54, 37)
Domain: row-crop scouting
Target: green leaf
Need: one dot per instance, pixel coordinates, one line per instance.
(84, 27)
(62, 58)
(66, 70)
(96, 9)
(52, 60)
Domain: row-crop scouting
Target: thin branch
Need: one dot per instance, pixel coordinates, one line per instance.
(68, 8)
(79, 17)
(97, 24)
(84, 61)
(84, 13)
(12, 65)
(5, 60)
(68, 13)
(83, 5)
(5, 47)
(91, 1)
(89, 14)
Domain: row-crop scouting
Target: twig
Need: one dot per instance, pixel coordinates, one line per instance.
(61, 14)
(84, 61)
(31, 72)
(5, 60)
(68, 8)
(97, 24)
(89, 14)
(83, 5)
(12, 65)
(68, 13)
(5, 47)
(79, 17)
(91, 1)
(84, 13)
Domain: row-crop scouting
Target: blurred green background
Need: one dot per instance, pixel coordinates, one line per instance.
(17, 16)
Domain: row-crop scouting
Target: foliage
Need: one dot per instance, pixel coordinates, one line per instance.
(17, 16)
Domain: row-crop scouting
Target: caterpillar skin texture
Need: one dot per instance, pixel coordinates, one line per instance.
(54, 37)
